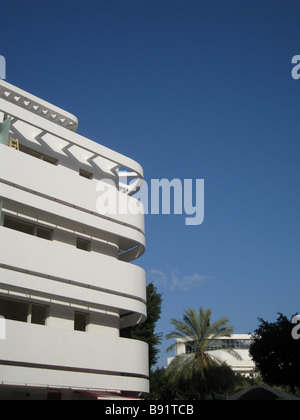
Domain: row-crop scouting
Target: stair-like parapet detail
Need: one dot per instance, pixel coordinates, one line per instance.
(38, 106)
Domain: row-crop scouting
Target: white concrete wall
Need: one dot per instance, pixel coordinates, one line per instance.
(68, 264)
(58, 184)
(93, 223)
(54, 272)
(70, 351)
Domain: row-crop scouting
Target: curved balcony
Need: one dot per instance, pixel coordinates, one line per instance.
(47, 187)
(54, 182)
(59, 270)
(45, 356)
(94, 150)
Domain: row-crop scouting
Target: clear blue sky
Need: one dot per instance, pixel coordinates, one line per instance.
(189, 89)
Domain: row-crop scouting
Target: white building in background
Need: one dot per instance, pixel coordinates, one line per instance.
(67, 288)
(239, 342)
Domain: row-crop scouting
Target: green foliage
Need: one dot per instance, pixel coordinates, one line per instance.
(199, 374)
(200, 332)
(159, 386)
(146, 331)
(276, 354)
(217, 383)
(193, 382)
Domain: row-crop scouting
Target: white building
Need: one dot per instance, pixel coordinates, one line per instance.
(67, 288)
(239, 342)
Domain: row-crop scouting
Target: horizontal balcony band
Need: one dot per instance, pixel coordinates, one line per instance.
(54, 183)
(62, 379)
(38, 345)
(69, 369)
(127, 236)
(60, 261)
(50, 290)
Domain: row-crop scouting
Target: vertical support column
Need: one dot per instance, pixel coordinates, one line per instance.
(29, 313)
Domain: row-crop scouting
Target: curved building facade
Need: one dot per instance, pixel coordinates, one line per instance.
(67, 288)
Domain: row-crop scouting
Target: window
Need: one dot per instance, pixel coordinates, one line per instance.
(86, 174)
(30, 152)
(17, 310)
(49, 159)
(44, 233)
(218, 344)
(38, 155)
(83, 244)
(80, 321)
(38, 314)
(18, 225)
(26, 227)
(14, 309)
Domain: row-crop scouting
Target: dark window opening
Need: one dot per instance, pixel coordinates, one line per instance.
(50, 160)
(38, 155)
(83, 244)
(14, 310)
(38, 314)
(17, 310)
(80, 321)
(18, 225)
(26, 227)
(44, 233)
(86, 174)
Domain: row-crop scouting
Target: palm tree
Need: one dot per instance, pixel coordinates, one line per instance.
(198, 367)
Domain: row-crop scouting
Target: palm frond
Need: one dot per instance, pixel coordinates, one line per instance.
(197, 370)
(191, 321)
(204, 321)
